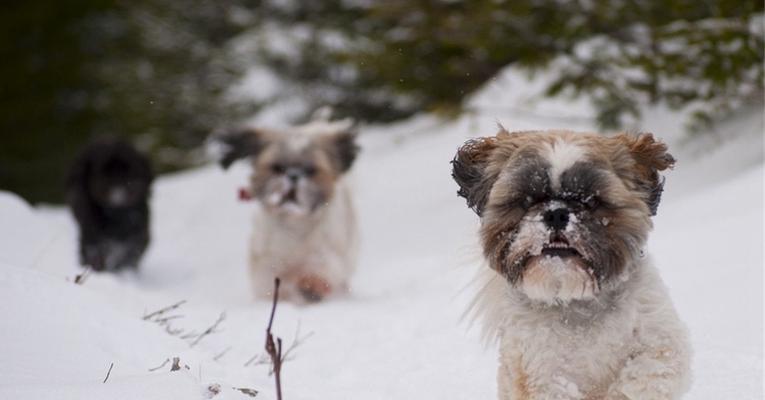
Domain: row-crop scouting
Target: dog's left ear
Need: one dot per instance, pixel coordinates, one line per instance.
(469, 171)
(343, 147)
(650, 157)
(237, 144)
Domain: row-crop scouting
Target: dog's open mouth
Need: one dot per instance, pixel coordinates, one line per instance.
(561, 252)
(559, 247)
(290, 197)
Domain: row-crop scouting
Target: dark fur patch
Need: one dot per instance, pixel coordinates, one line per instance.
(238, 143)
(533, 181)
(345, 150)
(654, 197)
(468, 170)
(112, 236)
(582, 185)
(650, 157)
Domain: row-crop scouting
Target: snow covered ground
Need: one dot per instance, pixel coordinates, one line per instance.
(399, 335)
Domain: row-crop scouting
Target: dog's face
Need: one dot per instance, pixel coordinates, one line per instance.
(294, 171)
(115, 175)
(563, 215)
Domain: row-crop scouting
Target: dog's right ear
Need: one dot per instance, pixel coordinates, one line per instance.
(469, 171)
(237, 144)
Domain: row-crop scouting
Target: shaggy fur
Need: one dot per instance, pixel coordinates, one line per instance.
(107, 191)
(305, 231)
(578, 310)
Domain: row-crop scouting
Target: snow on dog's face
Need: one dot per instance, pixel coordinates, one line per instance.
(294, 170)
(563, 214)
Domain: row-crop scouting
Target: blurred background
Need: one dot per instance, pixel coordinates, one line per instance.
(167, 73)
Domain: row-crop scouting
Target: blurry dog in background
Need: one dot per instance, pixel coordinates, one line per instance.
(108, 190)
(578, 310)
(305, 232)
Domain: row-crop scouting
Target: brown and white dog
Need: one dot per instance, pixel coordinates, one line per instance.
(578, 310)
(305, 232)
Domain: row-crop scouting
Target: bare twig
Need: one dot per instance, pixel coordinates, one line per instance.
(173, 332)
(264, 358)
(165, 320)
(167, 360)
(163, 310)
(211, 329)
(199, 336)
(297, 341)
(187, 335)
(79, 279)
(162, 317)
(108, 372)
(258, 359)
(274, 348)
(221, 354)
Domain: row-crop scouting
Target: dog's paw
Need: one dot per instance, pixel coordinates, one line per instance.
(313, 288)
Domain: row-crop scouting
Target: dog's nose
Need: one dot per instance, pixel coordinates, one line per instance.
(293, 174)
(557, 219)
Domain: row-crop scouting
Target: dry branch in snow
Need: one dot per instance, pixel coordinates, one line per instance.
(163, 317)
(265, 358)
(108, 372)
(79, 279)
(164, 310)
(167, 360)
(209, 330)
(274, 348)
(222, 353)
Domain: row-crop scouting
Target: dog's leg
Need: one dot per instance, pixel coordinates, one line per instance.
(659, 369)
(313, 288)
(660, 372)
(516, 383)
(512, 382)
(93, 254)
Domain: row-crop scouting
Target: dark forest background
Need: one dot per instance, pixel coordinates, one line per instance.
(160, 72)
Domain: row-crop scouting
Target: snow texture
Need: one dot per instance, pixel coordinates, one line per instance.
(399, 334)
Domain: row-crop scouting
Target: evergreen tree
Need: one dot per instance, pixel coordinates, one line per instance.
(150, 70)
(384, 60)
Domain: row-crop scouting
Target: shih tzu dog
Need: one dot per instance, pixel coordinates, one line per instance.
(305, 230)
(578, 310)
(108, 193)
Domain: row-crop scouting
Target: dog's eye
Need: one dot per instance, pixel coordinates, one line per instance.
(309, 170)
(591, 202)
(530, 201)
(278, 168)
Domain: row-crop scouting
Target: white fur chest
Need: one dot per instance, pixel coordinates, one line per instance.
(630, 346)
(578, 355)
(322, 244)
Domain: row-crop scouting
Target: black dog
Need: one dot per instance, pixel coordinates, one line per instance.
(108, 190)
